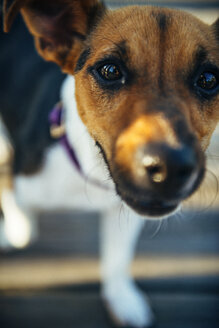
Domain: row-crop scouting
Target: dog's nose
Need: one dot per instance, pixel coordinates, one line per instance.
(155, 167)
(168, 167)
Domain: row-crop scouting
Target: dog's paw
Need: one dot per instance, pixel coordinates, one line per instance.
(17, 228)
(14, 236)
(126, 304)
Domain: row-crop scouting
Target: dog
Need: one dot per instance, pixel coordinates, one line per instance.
(137, 111)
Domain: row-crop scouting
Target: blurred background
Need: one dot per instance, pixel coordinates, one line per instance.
(55, 282)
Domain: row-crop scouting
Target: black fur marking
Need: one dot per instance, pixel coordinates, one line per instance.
(30, 90)
(200, 56)
(182, 132)
(104, 158)
(103, 154)
(122, 50)
(82, 60)
(78, 35)
(49, 9)
(162, 20)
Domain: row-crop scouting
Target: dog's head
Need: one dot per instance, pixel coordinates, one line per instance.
(147, 88)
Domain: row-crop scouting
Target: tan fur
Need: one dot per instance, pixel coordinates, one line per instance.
(106, 118)
(141, 132)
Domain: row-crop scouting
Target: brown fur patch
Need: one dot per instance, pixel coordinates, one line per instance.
(106, 116)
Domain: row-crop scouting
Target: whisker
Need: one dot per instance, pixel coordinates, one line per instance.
(217, 187)
(88, 181)
(160, 222)
(178, 217)
(120, 213)
(204, 194)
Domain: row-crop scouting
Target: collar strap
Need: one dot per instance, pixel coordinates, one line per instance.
(58, 131)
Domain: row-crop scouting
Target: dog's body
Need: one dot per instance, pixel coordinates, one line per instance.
(145, 96)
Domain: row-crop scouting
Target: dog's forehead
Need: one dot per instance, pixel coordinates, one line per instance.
(145, 30)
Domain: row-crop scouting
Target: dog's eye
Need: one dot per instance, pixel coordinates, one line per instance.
(207, 81)
(110, 72)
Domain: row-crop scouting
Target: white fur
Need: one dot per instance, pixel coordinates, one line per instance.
(59, 185)
(119, 233)
(19, 226)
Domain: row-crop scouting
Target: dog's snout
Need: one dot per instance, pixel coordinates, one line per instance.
(166, 166)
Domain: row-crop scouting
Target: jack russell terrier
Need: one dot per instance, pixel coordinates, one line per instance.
(137, 112)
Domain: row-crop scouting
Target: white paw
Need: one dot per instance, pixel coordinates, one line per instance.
(17, 235)
(20, 234)
(17, 229)
(126, 304)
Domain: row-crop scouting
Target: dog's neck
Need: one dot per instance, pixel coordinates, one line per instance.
(87, 152)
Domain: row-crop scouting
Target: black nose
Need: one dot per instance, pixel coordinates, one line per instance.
(168, 167)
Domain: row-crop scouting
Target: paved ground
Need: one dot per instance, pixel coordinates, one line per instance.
(55, 283)
(177, 304)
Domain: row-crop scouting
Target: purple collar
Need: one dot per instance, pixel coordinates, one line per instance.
(57, 131)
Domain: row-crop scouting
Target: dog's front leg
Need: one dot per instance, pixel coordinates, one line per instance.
(124, 300)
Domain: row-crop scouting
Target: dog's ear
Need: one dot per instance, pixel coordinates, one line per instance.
(59, 27)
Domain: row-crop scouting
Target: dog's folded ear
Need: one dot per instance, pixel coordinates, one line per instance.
(59, 27)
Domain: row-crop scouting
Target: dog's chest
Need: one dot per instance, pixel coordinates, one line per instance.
(59, 185)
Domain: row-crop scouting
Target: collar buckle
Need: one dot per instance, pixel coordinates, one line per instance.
(57, 127)
(57, 131)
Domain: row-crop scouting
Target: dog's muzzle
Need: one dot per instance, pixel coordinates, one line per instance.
(160, 177)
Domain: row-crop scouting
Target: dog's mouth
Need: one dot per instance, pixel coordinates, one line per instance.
(153, 208)
(151, 204)
(146, 205)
